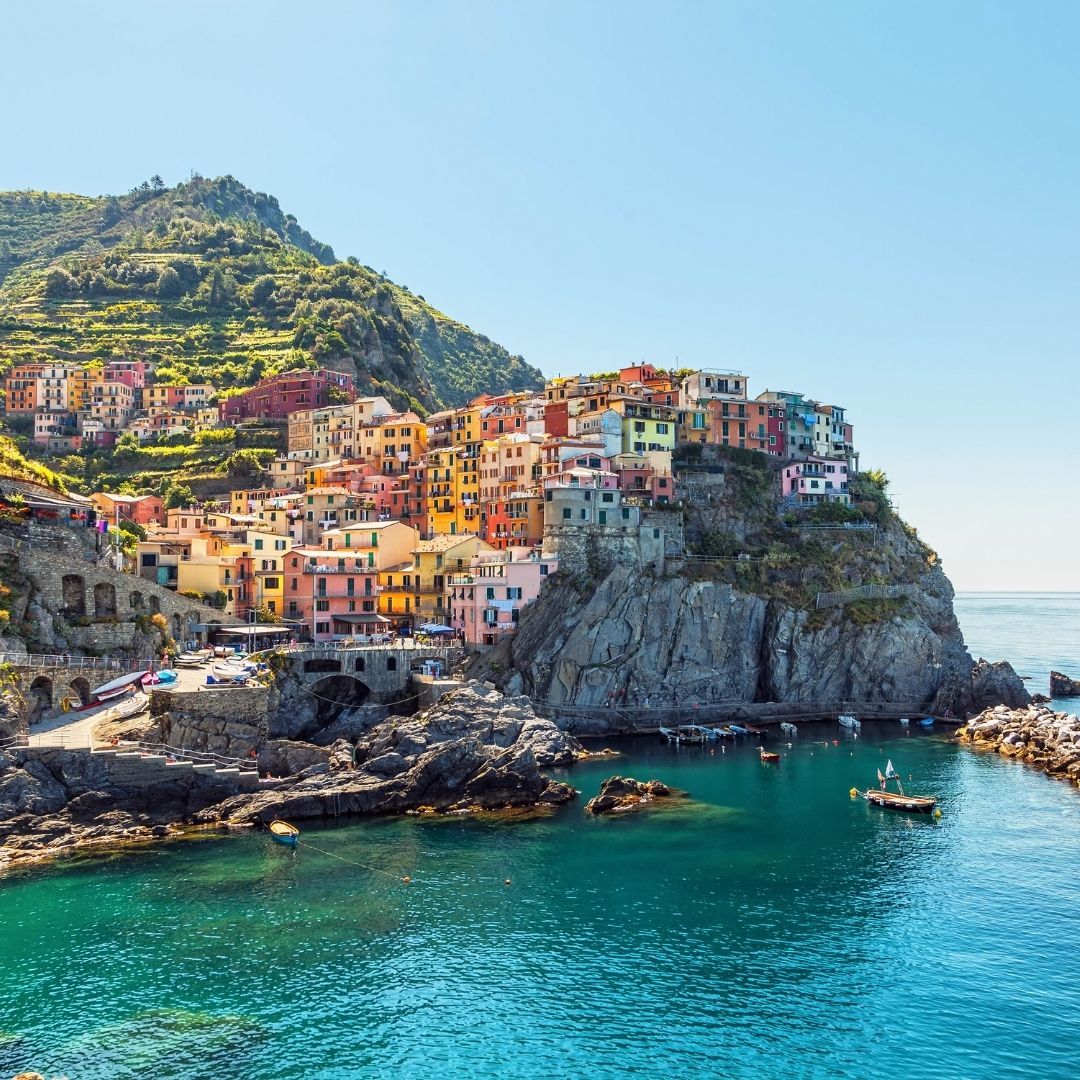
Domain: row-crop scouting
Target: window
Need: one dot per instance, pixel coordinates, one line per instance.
(543, 569)
(566, 513)
(322, 628)
(607, 497)
(272, 583)
(490, 593)
(513, 594)
(661, 429)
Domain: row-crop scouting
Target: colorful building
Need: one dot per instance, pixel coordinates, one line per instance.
(277, 396)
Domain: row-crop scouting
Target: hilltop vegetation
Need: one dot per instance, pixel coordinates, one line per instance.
(216, 284)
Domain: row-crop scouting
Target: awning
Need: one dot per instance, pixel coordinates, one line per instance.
(369, 617)
(436, 628)
(257, 630)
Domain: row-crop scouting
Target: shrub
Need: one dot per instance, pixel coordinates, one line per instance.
(159, 622)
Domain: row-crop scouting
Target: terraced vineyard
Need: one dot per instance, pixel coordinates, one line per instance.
(212, 282)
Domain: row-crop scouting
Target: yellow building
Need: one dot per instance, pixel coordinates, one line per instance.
(219, 569)
(417, 591)
(646, 427)
(443, 494)
(268, 551)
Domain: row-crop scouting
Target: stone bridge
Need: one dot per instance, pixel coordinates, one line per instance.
(56, 684)
(367, 674)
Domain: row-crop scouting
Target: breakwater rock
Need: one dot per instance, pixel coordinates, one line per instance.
(473, 749)
(1036, 734)
(623, 794)
(1062, 686)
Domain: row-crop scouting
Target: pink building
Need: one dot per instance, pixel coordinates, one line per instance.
(276, 397)
(486, 603)
(815, 480)
(333, 593)
(131, 373)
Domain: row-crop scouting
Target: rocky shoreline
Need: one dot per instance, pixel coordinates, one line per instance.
(1036, 735)
(473, 750)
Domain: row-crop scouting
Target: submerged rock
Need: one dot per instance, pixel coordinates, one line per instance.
(619, 794)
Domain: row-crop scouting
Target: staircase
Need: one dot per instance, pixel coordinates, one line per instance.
(138, 768)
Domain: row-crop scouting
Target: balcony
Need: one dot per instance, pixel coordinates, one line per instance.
(309, 569)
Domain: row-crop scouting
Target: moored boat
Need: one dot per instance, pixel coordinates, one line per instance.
(849, 721)
(739, 729)
(768, 755)
(284, 833)
(896, 800)
(926, 722)
(789, 729)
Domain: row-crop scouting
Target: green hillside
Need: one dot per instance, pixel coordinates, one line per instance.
(216, 284)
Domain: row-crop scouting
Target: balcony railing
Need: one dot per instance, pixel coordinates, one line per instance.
(337, 570)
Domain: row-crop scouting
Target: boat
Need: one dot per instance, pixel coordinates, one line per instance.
(759, 732)
(905, 721)
(723, 733)
(926, 722)
(690, 733)
(768, 755)
(115, 687)
(284, 833)
(190, 660)
(896, 800)
(669, 733)
(739, 729)
(789, 729)
(849, 721)
(166, 675)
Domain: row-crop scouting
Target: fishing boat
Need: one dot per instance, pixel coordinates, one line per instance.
(768, 755)
(789, 729)
(849, 721)
(899, 799)
(190, 660)
(723, 733)
(669, 733)
(926, 722)
(284, 833)
(690, 733)
(739, 729)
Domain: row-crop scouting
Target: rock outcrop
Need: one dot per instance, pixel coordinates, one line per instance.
(643, 642)
(622, 794)
(1035, 734)
(473, 749)
(1061, 686)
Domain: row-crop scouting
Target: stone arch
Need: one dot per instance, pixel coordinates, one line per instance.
(73, 593)
(321, 664)
(336, 693)
(40, 697)
(138, 601)
(177, 628)
(359, 665)
(104, 599)
(155, 605)
(80, 688)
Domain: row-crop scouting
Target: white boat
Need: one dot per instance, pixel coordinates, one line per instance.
(789, 729)
(115, 687)
(850, 722)
(190, 660)
(905, 721)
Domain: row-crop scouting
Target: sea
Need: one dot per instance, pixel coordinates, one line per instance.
(767, 925)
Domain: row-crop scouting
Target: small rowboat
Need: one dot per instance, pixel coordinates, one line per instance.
(768, 755)
(284, 833)
(926, 722)
(739, 729)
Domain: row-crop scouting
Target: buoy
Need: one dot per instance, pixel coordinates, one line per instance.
(507, 881)
(406, 879)
(937, 813)
(854, 792)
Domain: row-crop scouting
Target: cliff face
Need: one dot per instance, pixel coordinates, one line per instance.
(751, 631)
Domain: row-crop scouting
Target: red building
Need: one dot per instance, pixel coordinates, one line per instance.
(277, 396)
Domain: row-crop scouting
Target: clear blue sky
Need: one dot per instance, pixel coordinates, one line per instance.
(874, 203)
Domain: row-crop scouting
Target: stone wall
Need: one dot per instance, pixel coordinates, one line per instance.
(231, 721)
(598, 549)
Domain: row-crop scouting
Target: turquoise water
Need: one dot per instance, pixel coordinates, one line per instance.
(770, 927)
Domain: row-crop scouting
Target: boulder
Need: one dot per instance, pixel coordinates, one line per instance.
(619, 794)
(1061, 686)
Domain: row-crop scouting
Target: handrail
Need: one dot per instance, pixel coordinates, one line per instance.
(96, 663)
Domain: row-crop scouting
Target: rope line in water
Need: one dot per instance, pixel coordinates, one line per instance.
(353, 862)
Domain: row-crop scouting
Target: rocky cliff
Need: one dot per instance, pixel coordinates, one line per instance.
(781, 624)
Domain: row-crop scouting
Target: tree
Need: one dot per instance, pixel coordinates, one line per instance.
(59, 282)
(168, 282)
(157, 183)
(177, 495)
(263, 290)
(878, 478)
(132, 528)
(244, 464)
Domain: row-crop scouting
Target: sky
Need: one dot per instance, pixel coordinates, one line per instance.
(872, 203)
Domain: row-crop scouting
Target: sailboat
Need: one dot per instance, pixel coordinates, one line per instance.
(899, 799)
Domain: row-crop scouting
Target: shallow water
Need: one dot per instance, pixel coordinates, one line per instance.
(772, 926)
